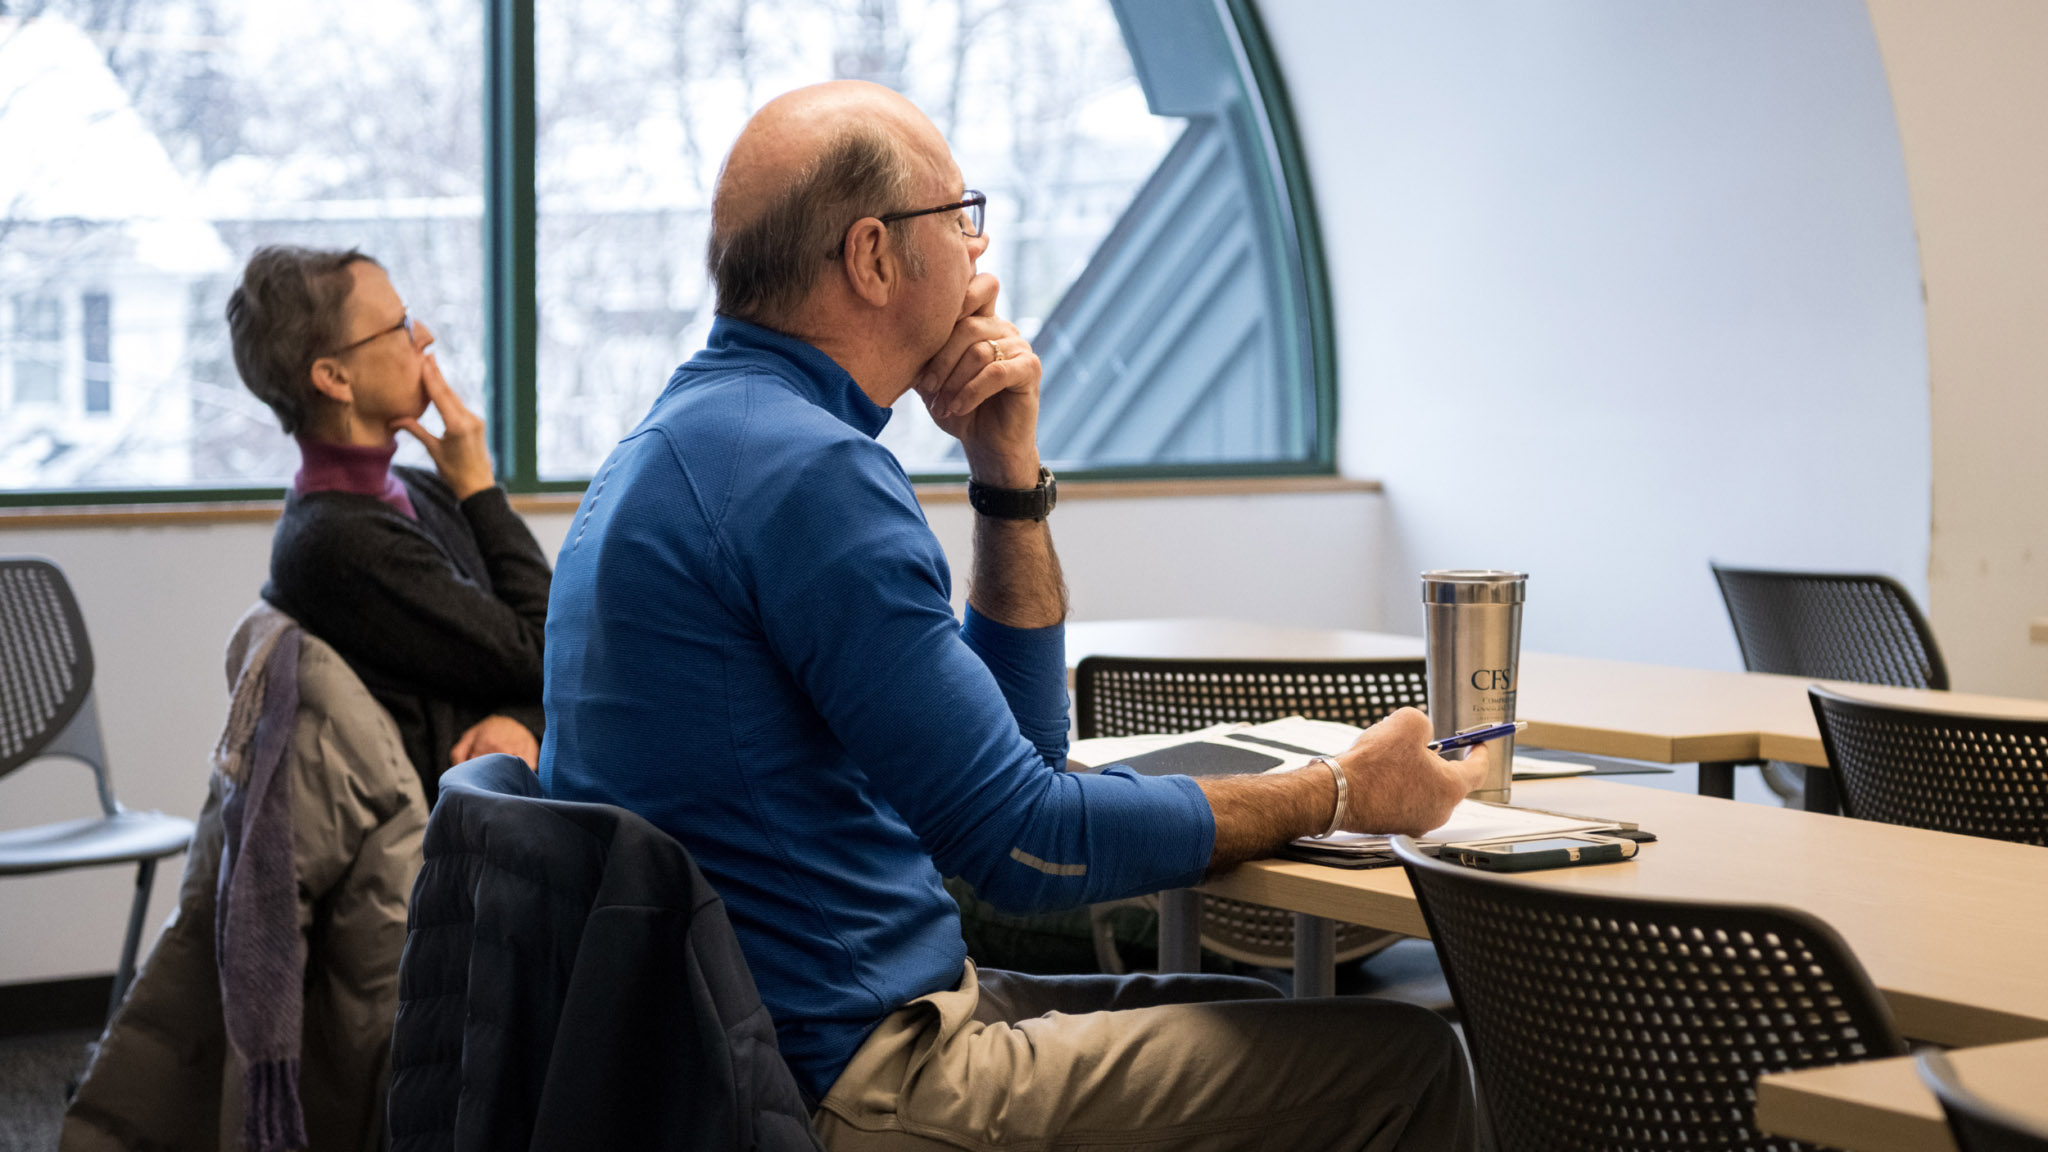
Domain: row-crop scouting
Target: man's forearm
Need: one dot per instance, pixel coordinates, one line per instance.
(1257, 814)
(1395, 784)
(1016, 579)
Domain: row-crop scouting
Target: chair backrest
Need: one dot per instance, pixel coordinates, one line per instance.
(1129, 696)
(1831, 626)
(1976, 775)
(1978, 1125)
(46, 669)
(45, 661)
(570, 979)
(1600, 1021)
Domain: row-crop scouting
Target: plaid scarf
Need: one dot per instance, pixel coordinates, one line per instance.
(261, 956)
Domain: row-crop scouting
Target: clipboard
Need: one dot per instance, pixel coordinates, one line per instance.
(1387, 859)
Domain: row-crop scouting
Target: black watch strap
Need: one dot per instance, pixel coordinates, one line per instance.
(1016, 503)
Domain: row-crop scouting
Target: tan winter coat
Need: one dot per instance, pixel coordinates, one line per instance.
(165, 1076)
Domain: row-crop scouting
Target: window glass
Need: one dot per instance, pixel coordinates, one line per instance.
(97, 318)
(37, 353)
(38, 319)
(1189, 339)
(151, 145)
(1039, 99)
(1139, 225)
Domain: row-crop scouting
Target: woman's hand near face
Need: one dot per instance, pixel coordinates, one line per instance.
(460, 452)
(496, 734)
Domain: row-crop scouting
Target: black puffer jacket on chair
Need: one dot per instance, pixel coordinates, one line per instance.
(570, 981)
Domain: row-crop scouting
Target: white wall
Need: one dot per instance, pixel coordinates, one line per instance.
(1291, 558)
(1970, 81)
(1295, 559)
(1620, 287)
(160, 602)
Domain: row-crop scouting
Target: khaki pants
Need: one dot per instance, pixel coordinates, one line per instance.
(1009, 1061)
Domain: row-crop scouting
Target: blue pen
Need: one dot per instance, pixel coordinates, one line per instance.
(1473, 736)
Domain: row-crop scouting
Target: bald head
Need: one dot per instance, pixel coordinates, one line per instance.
(793, 135)
(809, 164)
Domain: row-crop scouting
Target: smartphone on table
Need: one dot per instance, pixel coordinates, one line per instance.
(1549, 852)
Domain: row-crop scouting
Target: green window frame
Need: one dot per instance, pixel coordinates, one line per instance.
(511, 302)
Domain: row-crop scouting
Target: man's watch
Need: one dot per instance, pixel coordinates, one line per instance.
(1016, 503)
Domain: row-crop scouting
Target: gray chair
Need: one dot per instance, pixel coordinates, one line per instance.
(47, 710)
(1977, 1124)
(1609, 1021)
(1859, 627)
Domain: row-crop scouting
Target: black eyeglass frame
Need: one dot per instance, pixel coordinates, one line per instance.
(404, 321)
(975, 203)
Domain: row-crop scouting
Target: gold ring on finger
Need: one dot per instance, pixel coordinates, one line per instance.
(997, 350)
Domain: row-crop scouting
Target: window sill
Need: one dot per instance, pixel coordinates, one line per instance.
(564, 503)
(1070, 490)
(1163, 489)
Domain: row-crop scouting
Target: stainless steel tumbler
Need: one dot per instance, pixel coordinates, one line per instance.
(1473, 641)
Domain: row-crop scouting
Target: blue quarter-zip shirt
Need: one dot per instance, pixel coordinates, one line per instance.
(750, 643)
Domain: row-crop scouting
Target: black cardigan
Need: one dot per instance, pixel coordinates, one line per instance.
(442, 618)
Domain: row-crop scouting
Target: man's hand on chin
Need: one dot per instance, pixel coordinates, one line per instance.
(982, 389)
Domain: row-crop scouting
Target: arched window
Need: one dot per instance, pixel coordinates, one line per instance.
(1140, 217)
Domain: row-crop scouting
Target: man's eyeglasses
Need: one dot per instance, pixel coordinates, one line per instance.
(971, 206)
(404, 321)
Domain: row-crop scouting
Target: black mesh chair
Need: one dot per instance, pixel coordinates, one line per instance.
(1828, 626)
(47, 710)
(1978, 1126)
(1831, 626)
(1612, 1022)
(1127, 696)
(1976, 775)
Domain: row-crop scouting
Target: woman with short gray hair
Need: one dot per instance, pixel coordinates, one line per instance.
(427, 583)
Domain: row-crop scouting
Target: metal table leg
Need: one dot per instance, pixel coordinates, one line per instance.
(1315, 956)
(1717, 778)
(1180, 930)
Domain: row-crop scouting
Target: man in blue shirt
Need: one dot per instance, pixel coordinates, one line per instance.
(750, 642)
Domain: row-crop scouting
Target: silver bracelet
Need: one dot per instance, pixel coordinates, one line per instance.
(1343, 793)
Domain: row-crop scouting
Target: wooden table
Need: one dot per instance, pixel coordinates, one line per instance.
(1574, 703)
(1952, 929)
(1881, 1106)
(1778, 741)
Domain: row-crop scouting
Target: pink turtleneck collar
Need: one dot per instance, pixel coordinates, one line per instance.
(325, 467)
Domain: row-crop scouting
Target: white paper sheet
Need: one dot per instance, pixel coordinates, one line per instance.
(1316, 737)
(1106, 750)
(1544, 768)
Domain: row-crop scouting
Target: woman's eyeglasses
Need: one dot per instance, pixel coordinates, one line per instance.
(404, 321)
